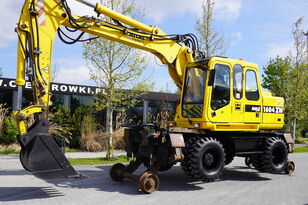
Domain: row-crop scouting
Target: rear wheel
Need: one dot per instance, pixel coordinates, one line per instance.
(229, 150)
(257, 162)
(230, 153)
(207, 158)
(275, 155)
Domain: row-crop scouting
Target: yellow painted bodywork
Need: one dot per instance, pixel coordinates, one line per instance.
(174, 55)
(228, 118)
(42, 36)
(270, 120)
(25, 113)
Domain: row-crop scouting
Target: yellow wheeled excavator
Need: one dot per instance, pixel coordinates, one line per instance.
(222, 106)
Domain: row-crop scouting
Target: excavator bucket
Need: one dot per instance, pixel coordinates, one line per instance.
(41, 155)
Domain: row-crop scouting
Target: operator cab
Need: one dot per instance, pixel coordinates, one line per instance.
(218, 92)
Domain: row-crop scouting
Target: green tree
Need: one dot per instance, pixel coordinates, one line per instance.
(115, 67)
(0, 72)
(298, 98)
(287, 77)
(212, 42)
(276, 76)
(10, 131)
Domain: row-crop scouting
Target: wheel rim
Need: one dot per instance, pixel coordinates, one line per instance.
(211, 159)
(278, 155)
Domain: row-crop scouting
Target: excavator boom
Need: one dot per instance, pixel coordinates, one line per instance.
(39, 21)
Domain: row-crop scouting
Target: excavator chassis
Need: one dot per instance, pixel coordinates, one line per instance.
(204, 154)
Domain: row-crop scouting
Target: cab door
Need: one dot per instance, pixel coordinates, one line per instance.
(252, 101)
(237, 94)
(220, 106)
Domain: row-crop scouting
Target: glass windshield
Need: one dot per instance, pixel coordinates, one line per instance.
(193, 96)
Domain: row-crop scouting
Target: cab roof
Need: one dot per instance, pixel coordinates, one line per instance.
(225, 60)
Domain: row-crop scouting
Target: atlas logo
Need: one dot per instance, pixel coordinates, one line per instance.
(136, 36)
(252, 108)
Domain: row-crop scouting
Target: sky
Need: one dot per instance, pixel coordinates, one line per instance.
(256, 29)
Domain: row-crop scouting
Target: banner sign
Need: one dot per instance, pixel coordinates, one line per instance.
(7, 83)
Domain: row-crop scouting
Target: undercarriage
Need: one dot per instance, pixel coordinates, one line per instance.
(202, 156)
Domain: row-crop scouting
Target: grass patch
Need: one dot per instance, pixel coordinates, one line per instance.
(300, 149)
(9, 151)
(93, 161)
(67, 149)
(12, 151)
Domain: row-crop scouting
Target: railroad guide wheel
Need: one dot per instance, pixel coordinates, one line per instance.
(290, 167)
(116, 172)
(249, 162)
(148, 182)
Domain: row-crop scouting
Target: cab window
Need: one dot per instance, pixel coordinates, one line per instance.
(193, 95)
(252, 92)
(237, 81)
(221, 87)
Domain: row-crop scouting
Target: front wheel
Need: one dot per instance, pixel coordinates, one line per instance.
(207, 159)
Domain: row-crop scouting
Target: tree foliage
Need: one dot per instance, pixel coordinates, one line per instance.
(212, 42)
(68, 123)
(10, 131)
(276, 76)
(288, 77)
(116, 68)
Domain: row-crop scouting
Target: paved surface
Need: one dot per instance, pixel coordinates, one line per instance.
(91, 154)
(239, 185)
(301, 145)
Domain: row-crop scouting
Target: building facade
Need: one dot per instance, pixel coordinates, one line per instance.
(73, 96)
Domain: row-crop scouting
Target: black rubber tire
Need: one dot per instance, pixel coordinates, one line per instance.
(275, 155)
(207, 159)
(257, 162)
(230, 153)
(229, 149)
(185, 167)
(187, 155)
